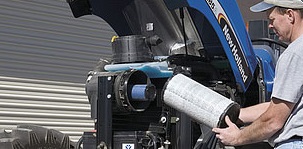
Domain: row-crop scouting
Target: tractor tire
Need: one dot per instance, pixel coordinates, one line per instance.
(33, 137)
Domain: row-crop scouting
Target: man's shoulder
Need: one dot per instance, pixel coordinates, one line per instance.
(295, 48)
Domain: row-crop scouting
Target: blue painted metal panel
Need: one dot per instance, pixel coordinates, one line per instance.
(226, 19)
(267, 62)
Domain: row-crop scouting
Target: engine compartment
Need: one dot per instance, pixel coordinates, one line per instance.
(156, 40)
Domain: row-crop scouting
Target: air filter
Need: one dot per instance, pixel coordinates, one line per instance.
(199, 102)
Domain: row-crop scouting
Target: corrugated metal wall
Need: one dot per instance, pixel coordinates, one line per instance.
(45, 55)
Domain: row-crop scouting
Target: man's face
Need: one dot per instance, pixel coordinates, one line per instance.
(280, 24)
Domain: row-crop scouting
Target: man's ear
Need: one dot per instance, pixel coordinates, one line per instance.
(291, 15)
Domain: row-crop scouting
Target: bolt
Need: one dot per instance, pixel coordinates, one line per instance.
(163, 120)
(109, 78)
(109, 96)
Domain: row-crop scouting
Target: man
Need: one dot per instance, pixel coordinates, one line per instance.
(280, 120)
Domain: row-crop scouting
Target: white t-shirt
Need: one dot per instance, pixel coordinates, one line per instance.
(288, 86)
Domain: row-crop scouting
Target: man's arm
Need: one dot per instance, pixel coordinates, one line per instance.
(250, 114)
(271, 121)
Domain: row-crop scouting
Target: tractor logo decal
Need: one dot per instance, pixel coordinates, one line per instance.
(235, 48)
(128, 146)
(232, 40)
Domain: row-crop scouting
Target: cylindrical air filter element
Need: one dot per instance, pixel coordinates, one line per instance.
(143, 92)
(199, 102)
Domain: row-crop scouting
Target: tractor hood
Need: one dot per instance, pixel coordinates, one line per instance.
(147, 18)
(213, 29)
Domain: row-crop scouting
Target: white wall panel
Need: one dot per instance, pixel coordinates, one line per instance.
(45, 54)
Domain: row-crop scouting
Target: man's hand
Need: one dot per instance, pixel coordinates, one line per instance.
(229, 135)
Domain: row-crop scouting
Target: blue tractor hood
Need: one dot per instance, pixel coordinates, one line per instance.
(214, 27)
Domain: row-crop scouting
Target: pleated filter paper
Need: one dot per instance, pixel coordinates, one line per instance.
(199, 102)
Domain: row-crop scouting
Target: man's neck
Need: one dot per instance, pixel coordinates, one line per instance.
(297, 29)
